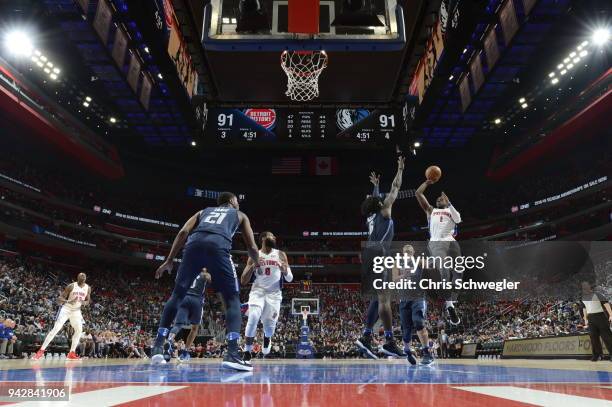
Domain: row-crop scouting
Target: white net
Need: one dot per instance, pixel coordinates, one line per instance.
(303, 69)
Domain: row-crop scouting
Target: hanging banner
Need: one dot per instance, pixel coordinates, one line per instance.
(119, 47)
(476, 72)
(102, 20)
(528, 6)
(428, 63)
(508, 20)
(491, 48)
(464, 92)
(178, 52)
(134, 72)
(145, 91)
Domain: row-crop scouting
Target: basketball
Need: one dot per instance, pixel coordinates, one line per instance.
(433, 173)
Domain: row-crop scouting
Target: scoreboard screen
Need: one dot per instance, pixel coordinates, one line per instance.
(304, 126)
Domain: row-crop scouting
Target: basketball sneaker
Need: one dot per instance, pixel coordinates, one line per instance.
(427, 358)
(390, 348)
(72, 356)
(452, 314)
(184, 356)
(157, 356)
(233, 361)
(365, 345)
(247, 356)
(39, 355)
(410, 357)
(267, 346)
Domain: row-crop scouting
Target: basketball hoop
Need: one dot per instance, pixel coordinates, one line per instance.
(303, 69)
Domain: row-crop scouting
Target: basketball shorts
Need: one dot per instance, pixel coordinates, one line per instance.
(206, 253)
(73, 315)
(269, 303)
(190, 311)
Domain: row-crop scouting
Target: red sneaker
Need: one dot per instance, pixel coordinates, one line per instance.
(72, 356)
(39, 355)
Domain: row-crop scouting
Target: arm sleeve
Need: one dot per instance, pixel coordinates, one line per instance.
(455, 214)
(289, 276)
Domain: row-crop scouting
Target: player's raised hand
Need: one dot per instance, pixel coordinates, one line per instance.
(400, 162)
(165, 266)
(374, 178)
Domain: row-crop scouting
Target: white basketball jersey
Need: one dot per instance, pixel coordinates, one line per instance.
(268, 276)
(443, 224)
(78, 294)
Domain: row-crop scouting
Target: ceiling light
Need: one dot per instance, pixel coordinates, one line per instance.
(522, 100)
(160, 76)
(56, 70)
(584, 53)
(193, 143)
(47, 70)
(566, 60)
(563, 72)
(570, 66)
(43, 58)
(572, 55)
(551, 75)
(226, 20)
(555, 81)
(576, 60)
(113, 120)
(584, 44)
(85, 104)
(560, 66)
(53, 76)
(601, 36)
(450, 78)
(497, 121)
(87, 98)
(417, 144)
(19, 43)
(146, 49)
(524, 105)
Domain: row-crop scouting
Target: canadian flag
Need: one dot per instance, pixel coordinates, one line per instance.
(323, 166)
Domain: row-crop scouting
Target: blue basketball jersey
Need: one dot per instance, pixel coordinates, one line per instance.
(380, 229)
(197, 287)
(219, 221)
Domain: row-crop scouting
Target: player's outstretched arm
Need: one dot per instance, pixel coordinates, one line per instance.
(395, 187)
(285, 269)
(375, 180)
(420, 196)
(63, 298)
(247, 274)
(177, 245)
(455, 215)
(249, 237)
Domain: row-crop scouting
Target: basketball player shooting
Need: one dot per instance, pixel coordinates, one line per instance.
(377, 210)
(266, 292)
(74, 296)
(443, 221)
(190, 313)
(207, 240)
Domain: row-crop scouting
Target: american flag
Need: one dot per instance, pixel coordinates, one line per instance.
(287, 166)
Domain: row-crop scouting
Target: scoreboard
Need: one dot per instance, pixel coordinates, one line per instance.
(304, 126)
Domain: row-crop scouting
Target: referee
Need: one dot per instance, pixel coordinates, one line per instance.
(597, 317)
